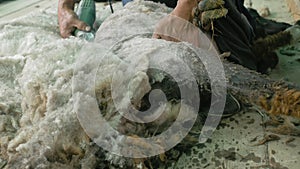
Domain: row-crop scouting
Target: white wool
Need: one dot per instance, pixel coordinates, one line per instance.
(36, 69)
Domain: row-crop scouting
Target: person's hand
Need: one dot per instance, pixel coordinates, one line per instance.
(68, 20)
(177, 26)
(207, 11)
(176, 29)
(168, 28)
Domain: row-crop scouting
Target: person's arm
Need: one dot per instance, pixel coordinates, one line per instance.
(68, 20)
(184, 9)
(178, 23)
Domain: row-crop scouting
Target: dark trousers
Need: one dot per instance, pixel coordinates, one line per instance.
(236, 33)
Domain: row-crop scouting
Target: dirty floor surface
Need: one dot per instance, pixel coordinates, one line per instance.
(240, 141)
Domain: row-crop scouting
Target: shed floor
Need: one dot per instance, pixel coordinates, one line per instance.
(235, 144)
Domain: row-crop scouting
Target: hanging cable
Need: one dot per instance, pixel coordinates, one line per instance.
(111, 7)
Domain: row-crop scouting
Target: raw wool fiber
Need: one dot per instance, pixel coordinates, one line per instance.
(284, 101)
(39, 128)
(36, 79)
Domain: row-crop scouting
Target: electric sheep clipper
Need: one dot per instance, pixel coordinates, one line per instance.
(86, 12)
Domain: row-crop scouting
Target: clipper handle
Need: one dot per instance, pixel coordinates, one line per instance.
(86, 12)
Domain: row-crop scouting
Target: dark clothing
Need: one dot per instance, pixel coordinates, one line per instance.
(169, 3)
(264, 27)
(236, 33)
